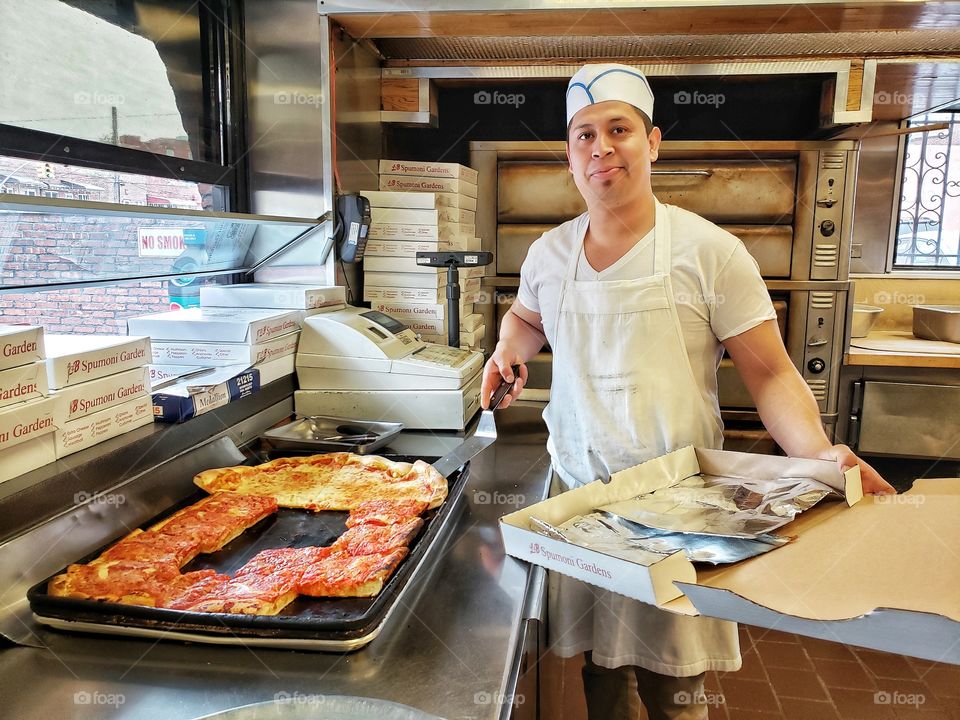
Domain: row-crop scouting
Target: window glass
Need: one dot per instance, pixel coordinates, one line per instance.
(101, 310)
(130, 73)
(928, 224)
(71, 182)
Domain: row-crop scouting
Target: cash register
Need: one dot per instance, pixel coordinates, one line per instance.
(363, 363)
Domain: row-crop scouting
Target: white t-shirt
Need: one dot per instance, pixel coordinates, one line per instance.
(717, 285)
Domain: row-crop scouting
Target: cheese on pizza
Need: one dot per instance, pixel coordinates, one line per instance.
(265, 585)
(337, 481)
(368, 539)
(385, 512)
(344, 575)
(218, 519)
(130, 582)
(155, 547)
(197, 586)
(289, 481)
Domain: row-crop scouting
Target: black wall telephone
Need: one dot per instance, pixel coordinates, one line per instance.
(352, 226)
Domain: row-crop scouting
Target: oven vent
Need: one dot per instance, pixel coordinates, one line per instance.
(826, 255)
(832, 160)
(819, 388)
(820, 300)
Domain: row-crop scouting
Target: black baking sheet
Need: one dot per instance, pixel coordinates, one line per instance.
(304, 618)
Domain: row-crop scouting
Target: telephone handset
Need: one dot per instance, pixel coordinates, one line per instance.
(352, 226)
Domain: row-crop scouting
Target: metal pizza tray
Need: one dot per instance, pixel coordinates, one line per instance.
(338, 624)
(323, 433)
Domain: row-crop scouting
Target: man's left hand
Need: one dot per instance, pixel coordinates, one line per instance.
(870, 479)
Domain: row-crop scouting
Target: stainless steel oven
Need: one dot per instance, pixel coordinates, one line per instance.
(790, 203)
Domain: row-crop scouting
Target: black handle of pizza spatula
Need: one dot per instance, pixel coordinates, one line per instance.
(483, 437)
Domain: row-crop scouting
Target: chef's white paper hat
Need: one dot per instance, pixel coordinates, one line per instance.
(608, 81)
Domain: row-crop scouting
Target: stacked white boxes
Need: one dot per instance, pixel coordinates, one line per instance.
(27, 422)
(101, 387)
(309, 299)
(232, 342)
(219, 337)
(423, 207)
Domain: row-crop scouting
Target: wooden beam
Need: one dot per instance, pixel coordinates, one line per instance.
(712, 20)
(400, 94)
(855, 86)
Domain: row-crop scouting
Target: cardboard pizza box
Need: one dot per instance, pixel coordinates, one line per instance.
(409, 248)
(102, 425)
(412, 312)
(273, 295)
(469, 338)
(882, 575)
(20, 345)
(420, 280)
(449, 231)
(24, 382)
(77, 401)
(428, 184)
(871, 571)
(24, 421)
(428, 169)
(27, 456)
(275, 369)
(438, 326)
(422, 216)
(73, 359)
(214, 324)
(431, 296)
(419, 200)
(222, 354)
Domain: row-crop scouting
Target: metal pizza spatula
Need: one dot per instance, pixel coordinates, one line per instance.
(483, 437)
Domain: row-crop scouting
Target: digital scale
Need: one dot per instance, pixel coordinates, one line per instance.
(365, 364)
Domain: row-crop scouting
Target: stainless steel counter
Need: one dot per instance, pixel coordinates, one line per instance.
(450, 650)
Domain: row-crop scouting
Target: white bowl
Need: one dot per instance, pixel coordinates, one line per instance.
(864, 316)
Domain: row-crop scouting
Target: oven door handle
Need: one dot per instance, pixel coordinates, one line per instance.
(699, 173)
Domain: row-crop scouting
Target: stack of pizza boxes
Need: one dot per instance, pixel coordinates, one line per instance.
(423, 207)
(306, 299)
(100, 387)
(206, 357)
(27, 423)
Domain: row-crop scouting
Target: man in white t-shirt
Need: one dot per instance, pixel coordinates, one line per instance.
(638, 300)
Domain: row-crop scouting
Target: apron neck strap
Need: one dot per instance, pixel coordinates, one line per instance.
(661, 240)
(661, 243)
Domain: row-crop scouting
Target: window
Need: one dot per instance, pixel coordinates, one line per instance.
(118, 103)
(928, 224)
(130, 74)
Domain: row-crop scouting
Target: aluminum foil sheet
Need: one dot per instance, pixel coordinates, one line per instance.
(636, 543)
(723, 506)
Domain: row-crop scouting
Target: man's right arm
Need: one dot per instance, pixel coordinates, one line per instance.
(521, 337)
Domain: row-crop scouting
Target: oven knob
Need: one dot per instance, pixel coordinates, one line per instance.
(817, 365)
(827, 228)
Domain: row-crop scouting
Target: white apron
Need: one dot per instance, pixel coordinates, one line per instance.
(623, 392)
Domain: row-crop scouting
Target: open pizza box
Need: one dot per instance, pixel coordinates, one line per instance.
(878, 572)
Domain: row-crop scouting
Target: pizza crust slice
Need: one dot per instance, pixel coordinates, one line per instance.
(217, 519)
(344, 575)
(372, 539)
(122, 581)
(265, 585)
(385, 512)
(153, 547)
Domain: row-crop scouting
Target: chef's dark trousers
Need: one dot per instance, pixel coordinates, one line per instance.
(615, 694)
